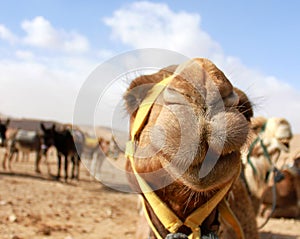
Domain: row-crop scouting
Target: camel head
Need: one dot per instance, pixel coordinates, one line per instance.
(194, 129)
(275, 132)
(280, 129)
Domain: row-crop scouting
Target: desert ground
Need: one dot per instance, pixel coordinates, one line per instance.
(35, 206)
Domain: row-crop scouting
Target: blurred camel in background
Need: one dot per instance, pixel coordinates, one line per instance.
(268, 139)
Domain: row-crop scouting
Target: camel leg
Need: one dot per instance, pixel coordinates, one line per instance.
(93, 166)
(17, 157)
(37, 162)
(4, 160)
(58, 166)
(66, 168)
(77, 166)
(9, 160)
(73, 160)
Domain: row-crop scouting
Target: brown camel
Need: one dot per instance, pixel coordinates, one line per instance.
(188, 124)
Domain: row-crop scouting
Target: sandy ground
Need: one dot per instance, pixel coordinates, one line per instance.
(34, 206)
(37, 206)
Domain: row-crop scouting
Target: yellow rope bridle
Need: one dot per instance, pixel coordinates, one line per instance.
(166, 216)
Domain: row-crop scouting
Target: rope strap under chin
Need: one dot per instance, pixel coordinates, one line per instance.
(166, 216)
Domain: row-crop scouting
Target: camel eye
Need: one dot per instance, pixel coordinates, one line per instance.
(231, 100)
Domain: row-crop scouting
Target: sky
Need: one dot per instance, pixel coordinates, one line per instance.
(49, 48)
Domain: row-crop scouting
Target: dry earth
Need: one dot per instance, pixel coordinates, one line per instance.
(34, 206)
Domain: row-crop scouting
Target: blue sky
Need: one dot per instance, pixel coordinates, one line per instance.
(46, 44)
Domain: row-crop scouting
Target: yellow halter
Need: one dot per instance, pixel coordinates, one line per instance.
(166, 216)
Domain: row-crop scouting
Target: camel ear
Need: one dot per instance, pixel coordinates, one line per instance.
(258, 123)
(139, 87)
(53, 127)
(43, 127)
(7, 122)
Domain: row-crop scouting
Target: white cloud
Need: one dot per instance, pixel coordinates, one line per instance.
(43, 88)
(7, 35)
(146, 24)
(40, 33)
(35, 84)
(25, 55)
(105, 53)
